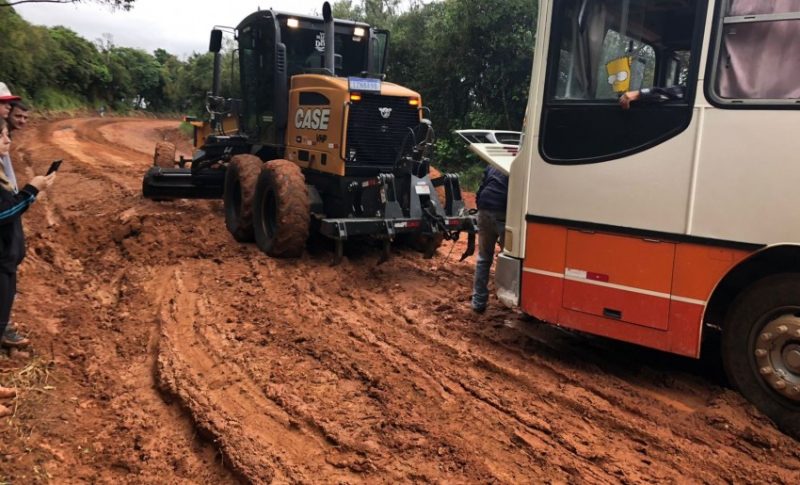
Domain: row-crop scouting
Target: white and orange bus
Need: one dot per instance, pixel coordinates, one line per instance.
(658, 224)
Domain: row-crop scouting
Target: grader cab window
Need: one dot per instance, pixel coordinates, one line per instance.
(305, 51)
(256, 54)
(600, 49)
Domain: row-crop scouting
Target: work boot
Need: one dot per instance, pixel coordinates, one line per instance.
(14, 340)
(7, 393)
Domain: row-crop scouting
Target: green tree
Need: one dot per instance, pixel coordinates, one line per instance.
(122, 4)
(471, 61)
(76, 63)
(378, 13)
(134, 74)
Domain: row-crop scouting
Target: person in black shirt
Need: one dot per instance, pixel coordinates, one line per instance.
(491, 199)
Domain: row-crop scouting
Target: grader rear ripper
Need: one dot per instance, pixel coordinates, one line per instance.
(319, 142)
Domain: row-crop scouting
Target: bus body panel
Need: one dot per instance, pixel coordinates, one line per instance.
(638, 191)
(614, 293)
(748, 168)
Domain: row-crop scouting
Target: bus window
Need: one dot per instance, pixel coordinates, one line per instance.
(602, 48)
(756, 61)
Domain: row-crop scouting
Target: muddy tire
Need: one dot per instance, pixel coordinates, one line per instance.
(240, 187)
(164, 155)
(282, 210)
(761, 348)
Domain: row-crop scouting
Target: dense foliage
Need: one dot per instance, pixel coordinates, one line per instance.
(470, 60)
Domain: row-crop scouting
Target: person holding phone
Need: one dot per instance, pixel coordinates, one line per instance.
(13, 203)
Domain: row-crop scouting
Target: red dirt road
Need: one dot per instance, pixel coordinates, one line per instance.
(167, 353)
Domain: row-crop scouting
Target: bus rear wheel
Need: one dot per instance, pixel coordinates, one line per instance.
(761, 348)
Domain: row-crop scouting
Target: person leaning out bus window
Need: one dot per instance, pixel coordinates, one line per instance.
(652, 95)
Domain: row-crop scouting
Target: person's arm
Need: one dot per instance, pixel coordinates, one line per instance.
(18, 203)
(671, 93)
(483, 185)
(12, 208)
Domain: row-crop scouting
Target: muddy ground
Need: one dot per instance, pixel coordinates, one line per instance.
(164, 352)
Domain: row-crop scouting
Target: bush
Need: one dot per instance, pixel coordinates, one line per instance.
(187, 130)
(54, 100)
(472, 176)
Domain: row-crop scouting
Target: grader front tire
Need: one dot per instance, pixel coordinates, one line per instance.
(282, 209)
(240, 186)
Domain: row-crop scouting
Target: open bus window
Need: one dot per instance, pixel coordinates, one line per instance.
(602, 48)
(757, 46)
(595, 34)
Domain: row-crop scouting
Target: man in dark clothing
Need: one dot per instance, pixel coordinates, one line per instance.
(492, 199)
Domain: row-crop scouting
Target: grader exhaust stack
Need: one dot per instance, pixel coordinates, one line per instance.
(330, 48)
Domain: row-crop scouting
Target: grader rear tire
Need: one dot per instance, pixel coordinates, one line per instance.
(282, 210)
(240, 187)
(164, 156)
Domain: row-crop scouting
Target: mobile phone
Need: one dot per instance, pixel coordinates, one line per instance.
(54, 166)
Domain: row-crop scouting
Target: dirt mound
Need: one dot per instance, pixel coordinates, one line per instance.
(165, 352)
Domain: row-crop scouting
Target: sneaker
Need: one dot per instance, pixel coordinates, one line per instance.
(14, 340)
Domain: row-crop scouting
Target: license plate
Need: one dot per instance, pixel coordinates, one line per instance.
(422, 189)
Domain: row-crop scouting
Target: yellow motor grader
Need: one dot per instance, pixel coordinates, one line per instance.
(319, 141)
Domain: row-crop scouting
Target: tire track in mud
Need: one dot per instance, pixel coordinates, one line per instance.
(370, 343)
(84, 302)
(260, 440)
(627, 423)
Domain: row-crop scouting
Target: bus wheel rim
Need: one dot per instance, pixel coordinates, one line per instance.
(777, 354)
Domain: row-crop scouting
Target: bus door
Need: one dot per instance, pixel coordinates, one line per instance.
(616, 179)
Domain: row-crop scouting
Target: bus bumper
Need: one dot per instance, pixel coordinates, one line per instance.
(508, 276)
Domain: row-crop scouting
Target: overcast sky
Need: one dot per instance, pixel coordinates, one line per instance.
(179, 26)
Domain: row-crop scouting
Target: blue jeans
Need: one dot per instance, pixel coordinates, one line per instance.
(491, 230)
